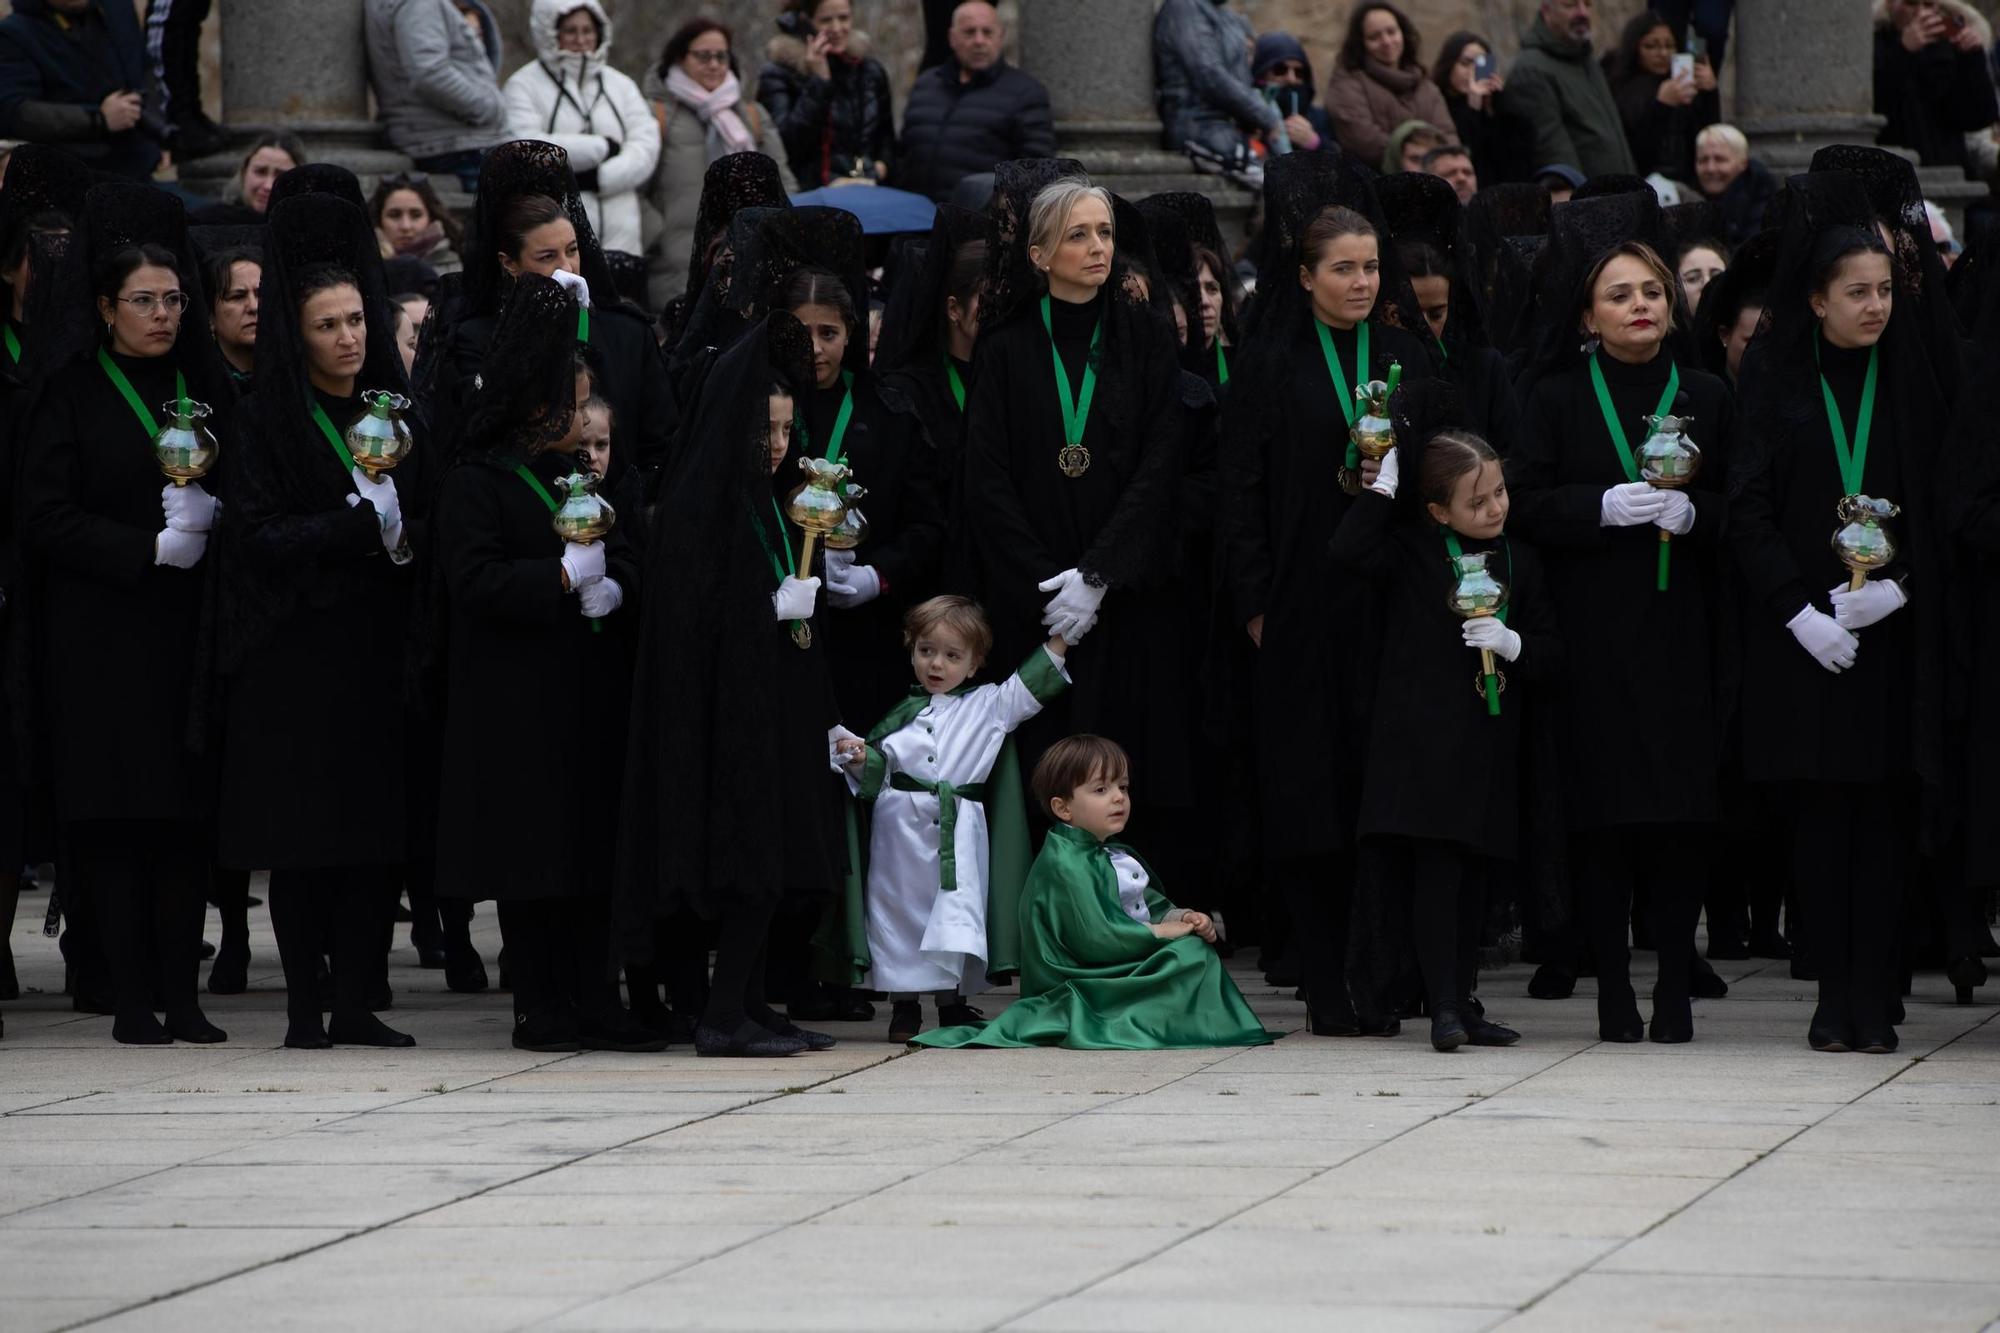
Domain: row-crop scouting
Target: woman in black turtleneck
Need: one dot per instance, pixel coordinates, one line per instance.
(1636, 719)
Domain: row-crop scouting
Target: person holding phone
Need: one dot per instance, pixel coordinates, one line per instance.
(1931, 80)
(1284, 75)
(1665, 95)
(1500, 141)
(829, 96)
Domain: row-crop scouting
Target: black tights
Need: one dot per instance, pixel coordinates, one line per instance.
(1850, 855)
(680, 962)
(1317, 891)
(559, 959)
(736, 992)
(1668, 863)
(1445, 886)
(339, 910)
(145, 881)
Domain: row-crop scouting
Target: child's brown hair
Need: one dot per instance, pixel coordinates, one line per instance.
(1073, 761)
(961, 615)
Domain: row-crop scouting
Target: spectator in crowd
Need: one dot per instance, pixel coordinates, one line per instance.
(1453, 164)
(972, 111)
(1661, 108)
(697, 96)
(1500, 141)
(1739, 188)
(1284, 76)
(828, 95)
(1408, 144)
(1931, 79)
(1561, 180)
(433, 64)
(410, 220)
(1563, 93)
(1380, 83)
(269, 157)
(72, 72)
(1698, 261)
(571, 96)
(1707, 19)
(1942, 234)
(1203, 89)
(173, 52)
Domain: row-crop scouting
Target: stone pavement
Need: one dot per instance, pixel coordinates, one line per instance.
(1739, 1182)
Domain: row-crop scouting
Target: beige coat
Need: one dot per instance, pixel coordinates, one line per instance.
(1366, 110)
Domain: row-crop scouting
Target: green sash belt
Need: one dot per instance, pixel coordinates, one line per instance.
(948, 799)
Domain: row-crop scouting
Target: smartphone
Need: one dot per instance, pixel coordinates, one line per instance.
(1684, 66)
(1954, 22)
(1484, 67)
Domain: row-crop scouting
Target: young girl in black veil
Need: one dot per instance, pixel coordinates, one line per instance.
(931, 325)
(1333, 311)
(729, 799)
(117, 584)
(316, 575)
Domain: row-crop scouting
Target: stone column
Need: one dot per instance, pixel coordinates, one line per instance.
(301, 66)
(1803, 78)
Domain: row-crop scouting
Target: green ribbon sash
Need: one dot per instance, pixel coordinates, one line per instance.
(1075, 410)
(535, 485)
(1221, 364)
(948, 799)
(783, 568)
(332, 435)
(837, 442)
(1341, 392)
(131, 395)
(957, 383)
(1853, 460)
(13, 345)
(583, 324)
(1453, 551)
(1623, 445)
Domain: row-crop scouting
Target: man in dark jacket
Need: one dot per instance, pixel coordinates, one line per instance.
(1284, 76)
(972, 111)
(1202, 87)
(1931, 80)
(72, 73)
(1557, 87)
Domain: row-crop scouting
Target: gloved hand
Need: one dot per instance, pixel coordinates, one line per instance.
(182, 550)
(1678, 515)
(583, 564)
(848, 584)
(188, 508)
(601, 597)
(795, 598)
(1073, 610)
(1391, 474)
(575, 283)
(1819, 634)
(388, 505)
(842, 747)
(1488, 632)
(1876, 599)
(1632, 505)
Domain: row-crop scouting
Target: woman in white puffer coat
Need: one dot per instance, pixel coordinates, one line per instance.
(569, 95)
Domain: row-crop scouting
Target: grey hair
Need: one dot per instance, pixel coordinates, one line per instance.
(1049, 214)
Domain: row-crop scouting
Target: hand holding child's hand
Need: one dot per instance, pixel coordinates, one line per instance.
(850, 752)
(1200, 923)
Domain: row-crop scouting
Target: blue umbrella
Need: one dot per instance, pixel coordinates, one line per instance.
(881, 209)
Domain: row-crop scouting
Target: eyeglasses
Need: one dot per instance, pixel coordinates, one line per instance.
(145, 302)
(709, 57)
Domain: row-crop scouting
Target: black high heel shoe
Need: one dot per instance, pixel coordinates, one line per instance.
(1966, 975)
(749, 1041)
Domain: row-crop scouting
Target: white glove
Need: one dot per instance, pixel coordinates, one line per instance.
(834, 736)
(182, 550)
(1488, 632)
(1874, 600)
(795, 599)
(388, 505)
(583, 563)
(575, 283)
(1821, 635)
(1632, 505)
(1678, 516)
(188, 508)
(848, 584)
(1391, 474)
(1073, 610)
(601, 597)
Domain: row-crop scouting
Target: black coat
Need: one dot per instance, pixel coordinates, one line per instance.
(313, 755)
(898, 467)
(1743, 201)
(1280, 503)
(954, 128)
(535, 699)
(1440, 767)
(117, 633)
(57, 69)
(1502, 144)
(1629, 756)
(828, 125)
(1932, 98)
(1662, 136)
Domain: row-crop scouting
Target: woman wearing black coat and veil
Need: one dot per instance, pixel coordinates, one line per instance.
(1334, 309)
(732, 184)
(930, 327)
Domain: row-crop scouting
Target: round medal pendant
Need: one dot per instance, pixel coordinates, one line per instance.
(1074, 461)
(1350, 480)
(802, 634)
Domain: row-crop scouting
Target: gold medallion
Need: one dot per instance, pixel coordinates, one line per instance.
(1350, 480)
(802, 634)
(1074, 461)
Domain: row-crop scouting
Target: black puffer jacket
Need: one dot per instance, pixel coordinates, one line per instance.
(953, 128)
(829, 125)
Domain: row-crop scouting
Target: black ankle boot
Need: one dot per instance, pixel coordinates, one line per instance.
(1447, 1028)
(463, 970)
(140, 1028)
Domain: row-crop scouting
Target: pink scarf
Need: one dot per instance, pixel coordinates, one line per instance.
(726, 131)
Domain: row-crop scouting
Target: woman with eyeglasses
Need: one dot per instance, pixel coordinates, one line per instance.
(412, 222)
(1502, 144)
(116, 597)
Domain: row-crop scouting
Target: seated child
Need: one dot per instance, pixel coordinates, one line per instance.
(928, 768)
(1106, 962)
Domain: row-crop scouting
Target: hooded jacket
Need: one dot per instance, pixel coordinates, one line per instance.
(436, 85)
(1934, 97)
(1562, 92)
(955, 127)
(1198, 68)
(829, 125)
(55, 71)
(1370, 104)
(594, 113)
(1274, 48)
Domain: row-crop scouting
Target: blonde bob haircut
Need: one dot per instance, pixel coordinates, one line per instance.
(1050, 212)
(1655, 265)
(1728, 136)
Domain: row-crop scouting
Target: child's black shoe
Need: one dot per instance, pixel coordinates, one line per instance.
(1447, 1028)
(906, 1020)
(959, 1014)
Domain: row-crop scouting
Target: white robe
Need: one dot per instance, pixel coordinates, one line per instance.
(919, 937)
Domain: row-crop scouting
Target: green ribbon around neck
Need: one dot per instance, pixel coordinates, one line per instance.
(332, 435)
(1623, 445)
(1853, 459)
(13, 345)
(1221, 364)
(131, 395)
(1342, 393)
(957, 382)
(1075, 410)
(535, 485)
(837, 442)
(1453, 552)
(782, 568)
(583, 324)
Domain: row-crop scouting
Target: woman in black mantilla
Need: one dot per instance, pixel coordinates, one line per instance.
(1637, 713)
(1072, 486)
(1505, 228)
(731, 184)
(315, 581)
(1333, 310)
(730, 804)
(1188, 242)
(931, 326)
(529, 617)
(117, 558)
(530, 219)
(1842, 684)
